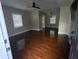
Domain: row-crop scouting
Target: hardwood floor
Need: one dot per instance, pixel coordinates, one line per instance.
(40, 45)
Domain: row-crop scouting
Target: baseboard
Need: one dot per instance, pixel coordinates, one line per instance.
(65, 34)
(62, 33)
(35, 29)
(18, 33)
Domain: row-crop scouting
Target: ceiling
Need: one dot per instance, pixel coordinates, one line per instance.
(43, 4)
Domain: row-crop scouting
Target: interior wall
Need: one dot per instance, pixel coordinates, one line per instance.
(54, 12)
(9, 22)
(65, 20)
(41, 14)
(31, 20)
(57, 13)
(47, 20)
(34, 20)
(74, 17)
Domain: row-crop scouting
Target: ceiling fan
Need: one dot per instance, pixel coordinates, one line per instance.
(34, 5)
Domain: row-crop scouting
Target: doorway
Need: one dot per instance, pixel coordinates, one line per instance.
(43, 23)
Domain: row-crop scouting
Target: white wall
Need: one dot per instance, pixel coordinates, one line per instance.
(65, 20)
(41, 14)
(35, 20)
(55, 12)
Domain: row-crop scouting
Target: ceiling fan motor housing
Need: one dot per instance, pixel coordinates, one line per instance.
(34, 5)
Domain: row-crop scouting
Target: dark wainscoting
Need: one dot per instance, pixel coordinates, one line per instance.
(48, 29)
(15, 39)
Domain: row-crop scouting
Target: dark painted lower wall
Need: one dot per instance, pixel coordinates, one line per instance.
(14, 39)
(48, 29)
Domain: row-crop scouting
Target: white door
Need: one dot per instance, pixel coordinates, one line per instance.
(5, 49)
(3, 53)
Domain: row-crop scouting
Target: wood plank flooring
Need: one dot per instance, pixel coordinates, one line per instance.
(40, 45)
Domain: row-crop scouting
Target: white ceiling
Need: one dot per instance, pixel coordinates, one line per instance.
(43, 4)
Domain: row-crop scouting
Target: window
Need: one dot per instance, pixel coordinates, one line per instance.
(53, 20)
(17, 20)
